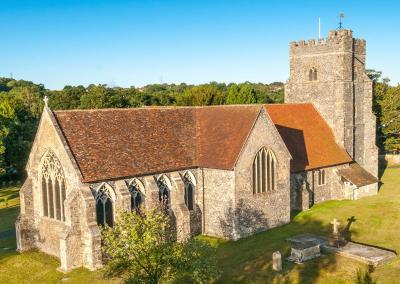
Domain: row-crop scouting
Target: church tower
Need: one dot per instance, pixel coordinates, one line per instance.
(330, 73)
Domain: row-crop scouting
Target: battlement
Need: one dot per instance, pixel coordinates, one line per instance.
(334, 37)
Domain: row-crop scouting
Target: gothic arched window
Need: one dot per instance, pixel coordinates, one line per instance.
(264, 171)
(163, 190)
(53, 187)
(104, 205)
(136, 190)
(190, 183)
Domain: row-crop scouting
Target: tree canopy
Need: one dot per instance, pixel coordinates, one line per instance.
(386, 105)
(141, 248)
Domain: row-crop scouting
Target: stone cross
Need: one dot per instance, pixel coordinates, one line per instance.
(277, 261)
(46, 101)
(335, 224)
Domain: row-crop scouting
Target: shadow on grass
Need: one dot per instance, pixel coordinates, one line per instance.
(7, 247)
(382, 165)
(249, 260)
(346, 233)
(8, 216)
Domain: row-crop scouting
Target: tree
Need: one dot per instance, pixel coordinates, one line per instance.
(142, 249)
(68, 98)
(386, 106)
(241, 94)
(373, 75)
(97, 96)
(390, 119)
(204, 95)
(7, 115)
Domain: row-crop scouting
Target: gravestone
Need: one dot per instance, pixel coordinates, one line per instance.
(336, 239)
(277, 261)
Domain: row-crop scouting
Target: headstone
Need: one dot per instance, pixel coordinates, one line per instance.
(336, 240)
(277, 261)
(336, 225)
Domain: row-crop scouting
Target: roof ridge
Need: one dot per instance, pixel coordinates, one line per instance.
(156, 107)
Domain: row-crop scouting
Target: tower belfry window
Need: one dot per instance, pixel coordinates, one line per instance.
(313, 74)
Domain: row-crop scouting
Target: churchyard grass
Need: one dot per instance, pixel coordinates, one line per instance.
(248, 260)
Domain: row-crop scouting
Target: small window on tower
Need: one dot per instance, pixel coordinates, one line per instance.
(315, 76)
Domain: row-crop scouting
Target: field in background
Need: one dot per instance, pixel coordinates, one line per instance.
(248, 260)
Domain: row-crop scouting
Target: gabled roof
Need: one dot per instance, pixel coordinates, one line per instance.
(307, 136)
(357, 175)
(117, 143)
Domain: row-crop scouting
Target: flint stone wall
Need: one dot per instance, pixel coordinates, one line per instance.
(261, 211)
(333, 189)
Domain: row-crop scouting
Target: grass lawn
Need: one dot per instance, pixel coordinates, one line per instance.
(249, 260)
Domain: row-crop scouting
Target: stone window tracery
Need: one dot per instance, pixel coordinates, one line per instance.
(264, 171)
(163, 191)
(104, 205)
(136, 189)
(53, 187)
(190, 183)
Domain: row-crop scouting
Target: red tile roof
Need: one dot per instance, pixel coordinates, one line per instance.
(221, 134)
(307, 136)
(117, 143)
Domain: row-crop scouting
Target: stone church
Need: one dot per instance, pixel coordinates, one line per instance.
(224, 171)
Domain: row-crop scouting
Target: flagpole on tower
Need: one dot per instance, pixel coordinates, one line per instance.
(319, 27)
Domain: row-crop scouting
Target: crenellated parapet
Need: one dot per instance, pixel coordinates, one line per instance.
(336, 39)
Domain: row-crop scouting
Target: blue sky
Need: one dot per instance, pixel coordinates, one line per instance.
(133, 43)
